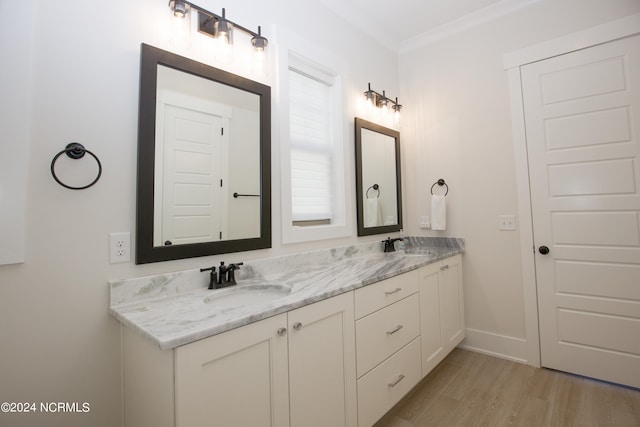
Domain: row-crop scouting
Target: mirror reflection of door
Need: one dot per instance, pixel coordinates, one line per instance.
(192, 202)
(207, 149)
(379, 169)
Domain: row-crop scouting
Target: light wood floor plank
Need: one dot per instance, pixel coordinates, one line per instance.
(422, 397)
(472, 389)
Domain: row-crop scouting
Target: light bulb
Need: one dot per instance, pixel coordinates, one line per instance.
(181, 24)
(259, 63)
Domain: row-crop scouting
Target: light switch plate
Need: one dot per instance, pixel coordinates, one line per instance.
(506, 222)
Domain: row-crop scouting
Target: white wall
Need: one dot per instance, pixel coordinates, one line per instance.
(58, 341)
(456, 126)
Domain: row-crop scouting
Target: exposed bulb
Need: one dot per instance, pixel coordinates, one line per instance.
(181, 25)
(180, 8)
(223, 30)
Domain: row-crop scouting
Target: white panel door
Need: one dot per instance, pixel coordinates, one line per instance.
(192, 200)
(582, 115)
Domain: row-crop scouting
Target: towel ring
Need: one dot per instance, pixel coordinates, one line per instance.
(375, 187)
(440, 182)
(75, 151)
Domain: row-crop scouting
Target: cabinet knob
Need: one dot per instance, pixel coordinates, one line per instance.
(297, 326)
(543, 250)
(282, 331)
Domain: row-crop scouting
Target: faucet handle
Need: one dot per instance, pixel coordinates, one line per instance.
(214, 276)
(231, 272)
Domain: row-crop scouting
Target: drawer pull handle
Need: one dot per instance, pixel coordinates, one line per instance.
(444, 267)
(395, 330)
(396, 290)
(395, 383)
(297, 326)
(282, 331)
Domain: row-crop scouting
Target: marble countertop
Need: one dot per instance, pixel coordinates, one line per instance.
(176, 309)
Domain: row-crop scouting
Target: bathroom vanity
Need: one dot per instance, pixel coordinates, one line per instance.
(344, 336)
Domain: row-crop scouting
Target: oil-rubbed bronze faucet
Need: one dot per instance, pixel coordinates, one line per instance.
(225, 276)
(389, 245)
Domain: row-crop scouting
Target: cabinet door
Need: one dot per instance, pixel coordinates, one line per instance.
(238, 378)
(431, 300)
(442, 325)
(322, 381)
(453, 329)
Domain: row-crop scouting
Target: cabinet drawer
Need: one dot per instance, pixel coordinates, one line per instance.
(385, 385)
(385, 331)
(374, 297)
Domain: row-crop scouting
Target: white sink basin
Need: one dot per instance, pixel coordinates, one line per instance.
(245, 295)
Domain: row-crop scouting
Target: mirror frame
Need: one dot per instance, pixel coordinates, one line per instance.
(367, 231)
(146, 252)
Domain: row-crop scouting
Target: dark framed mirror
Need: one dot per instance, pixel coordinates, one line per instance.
(204, 160)
(378, 183)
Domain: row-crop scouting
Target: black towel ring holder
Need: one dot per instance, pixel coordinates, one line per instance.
(75, 151)
(374, 187)
(440, 182)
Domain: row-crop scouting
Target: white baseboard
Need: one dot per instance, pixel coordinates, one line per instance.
(502, 346)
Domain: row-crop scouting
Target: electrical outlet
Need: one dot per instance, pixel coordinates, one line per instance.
(506, 222)
(119, 247)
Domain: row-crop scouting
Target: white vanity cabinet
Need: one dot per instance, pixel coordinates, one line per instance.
(341, 362)
(296, 368)
(387, 344)
(442, 325)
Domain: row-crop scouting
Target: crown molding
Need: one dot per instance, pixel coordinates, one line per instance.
(613, 30)
(466, 22)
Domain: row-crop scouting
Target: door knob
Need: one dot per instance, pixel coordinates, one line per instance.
(543, 250)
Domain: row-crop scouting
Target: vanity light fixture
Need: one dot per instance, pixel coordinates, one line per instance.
(375, 99)
(371, 97)
(397, 107)
(216, 26)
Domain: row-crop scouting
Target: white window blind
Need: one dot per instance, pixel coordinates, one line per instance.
(311, 145)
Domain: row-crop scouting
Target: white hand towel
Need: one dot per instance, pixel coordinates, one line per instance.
(438, 212)
(372, 213)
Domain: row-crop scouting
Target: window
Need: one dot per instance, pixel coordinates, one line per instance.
(314, 194)
(311, 144)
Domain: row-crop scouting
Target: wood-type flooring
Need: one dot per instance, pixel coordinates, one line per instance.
(473, 389)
